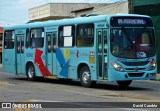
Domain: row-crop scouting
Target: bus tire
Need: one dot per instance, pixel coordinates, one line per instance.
(85, 77)
(31, 72)
(124, 83)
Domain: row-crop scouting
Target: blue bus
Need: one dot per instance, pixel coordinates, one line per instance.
(119, 47)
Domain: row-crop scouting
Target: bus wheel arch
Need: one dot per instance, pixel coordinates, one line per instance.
(30, 71)
(79, 68)
(84, 75)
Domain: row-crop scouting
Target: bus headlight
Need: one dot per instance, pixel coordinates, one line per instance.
(152, 65)
(117, 67)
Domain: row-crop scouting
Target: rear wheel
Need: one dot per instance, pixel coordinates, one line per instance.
(124, 83)
(31, 72)
(85, 77)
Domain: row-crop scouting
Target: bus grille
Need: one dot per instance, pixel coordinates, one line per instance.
(133, 69)
(135, 74)
(142, 63)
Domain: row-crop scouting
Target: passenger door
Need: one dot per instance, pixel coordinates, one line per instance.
(51, 52)
(9, 56)
(102, 53)
(19, 53)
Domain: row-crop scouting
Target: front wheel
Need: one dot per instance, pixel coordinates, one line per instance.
(85, 77)
(124, 83)
(31, 72)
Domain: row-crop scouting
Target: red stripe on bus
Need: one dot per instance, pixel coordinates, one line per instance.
(39, 62)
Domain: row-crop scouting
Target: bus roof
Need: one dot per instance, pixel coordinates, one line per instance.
(70, 21)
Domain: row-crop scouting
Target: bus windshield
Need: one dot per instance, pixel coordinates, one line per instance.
(132, 42)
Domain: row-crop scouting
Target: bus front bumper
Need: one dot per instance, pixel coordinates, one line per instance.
(114, 75)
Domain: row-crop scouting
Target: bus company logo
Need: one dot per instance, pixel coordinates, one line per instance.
(6, 105)
(29, 54)
(141, 54)
(136, 69)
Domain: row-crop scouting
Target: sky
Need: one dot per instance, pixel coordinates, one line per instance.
(16, 11)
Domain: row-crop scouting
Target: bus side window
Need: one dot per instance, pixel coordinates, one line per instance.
(27, 38)
(85, 35)
(9, 39)
(66, 36)
(37, 38)
(145, 38)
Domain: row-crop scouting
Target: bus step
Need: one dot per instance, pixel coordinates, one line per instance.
(51, 77)
(102, 80)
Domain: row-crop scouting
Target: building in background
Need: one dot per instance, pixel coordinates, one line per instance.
(54, 11)
(51, 11)
(114, 8)
(151, 8)
(1, 34)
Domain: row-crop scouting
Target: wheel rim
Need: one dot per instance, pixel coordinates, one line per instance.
(30, 72)
(86, 77)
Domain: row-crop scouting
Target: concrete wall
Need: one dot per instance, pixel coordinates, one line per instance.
(39, 12)
(61, 10)
(1, 29)
(1, 33)
(81, 13)
(121, 7)
(53, 11)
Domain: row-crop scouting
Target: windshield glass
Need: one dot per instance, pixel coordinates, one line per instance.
(132, 42)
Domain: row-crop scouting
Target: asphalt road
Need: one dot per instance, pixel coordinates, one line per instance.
(18, 89)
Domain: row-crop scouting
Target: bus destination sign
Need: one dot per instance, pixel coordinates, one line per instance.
(126, 21)
(131, 21)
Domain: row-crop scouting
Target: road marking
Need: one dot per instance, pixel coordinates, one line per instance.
(26, 109)
(5, 83)
(22, 91)
(20, 109)
(6, 72)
